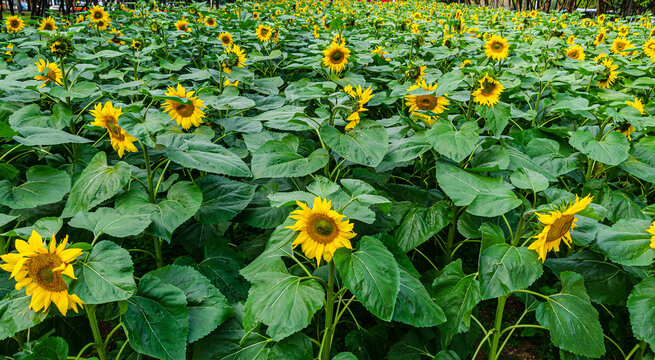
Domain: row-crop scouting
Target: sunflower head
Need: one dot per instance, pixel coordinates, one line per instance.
(336, 57)
(186, 113)
(497, 48)
(575, 52)
(48, 24)
(14, 24)
(651, 230)
(97, 13)
(50, 72)
(60, 45)
(264, 33)
(155, 27)
(488, 92)
(609, 73)
(107, 116)
(210, 22)
(137, 44)
(225, 39)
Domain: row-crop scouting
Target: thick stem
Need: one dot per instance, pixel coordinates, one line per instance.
(329, 313)
(151, 196)
(159, 260)
(93, 321)
(497, 328)
(519, 231)
(451, 236)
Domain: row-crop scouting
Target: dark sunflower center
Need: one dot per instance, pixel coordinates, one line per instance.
(414, 73)
(97, 15)
(488, 87)
(496, 46)
(560, 227)
(51, 75)
(48, 27)
(232, 60)
(112, 125)
(620, 46)
(322, 229)
(14, 23)
(426, 102)
(574, 54)
(40, 270)
(182, 27)
(337, 56)
(185, 110)
(226, 40)
(264, 32)
(210, 21)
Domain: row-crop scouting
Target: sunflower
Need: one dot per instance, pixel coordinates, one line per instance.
(227, 82)
(600, 37)
(623, 31)
(570, 40)
(360, 97)
(558, 225)
(79, 19)
(651, 230)
(619, 45)
(137, 44)
(415, 72)
(116, 39)
(601, 18)
(235, 58)
(101, 24)
(264, 33)
(255, 15)
(14, 24)
(609, 74)
(107, 116)
(9, 47)
(637, 104)
(97, 13)
(380, 51)
(184, 114)
(48, 24)
(210, 22)
(53, 72)
(497, 48)
(336, 57)
(649, 48)
(575, 52)
(626, 129)
(321, 230)
(225, 39)
(428, 102)
(182, 25)
(489, 91)
(39, 270)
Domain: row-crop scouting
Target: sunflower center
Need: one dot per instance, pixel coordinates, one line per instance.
(337, 56)
(574, 54)
(232, 60)
(497, 47)
(226, 40)
(560, 227)
(97, 15)
(185, 110)
(14, 23)
(48, 27)
(488, 87)
(51, 75)
(426, 102)
(40, 269)
(322, 229)
(182, 27)
(264, 32)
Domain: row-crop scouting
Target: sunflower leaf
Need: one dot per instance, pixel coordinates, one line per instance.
(640, 305)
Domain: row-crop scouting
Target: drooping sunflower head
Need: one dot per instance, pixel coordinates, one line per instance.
(637, 104)
(41, 272)
(649, 48)
(600, 37)
(420, 104)
(98, 13)
(60, 45)
(14, 24)
(50, 72)
(48, 24)
(415, 72)
(497, 48)
(651, 230)
(186, 113)
(557, 226)
(626, 129)
(155, 27)
(576, 52)
(107, 116)
(488, 92)
(321, 230)
(360, 97)
(264, 33)
(336, 57)
(609, 73)
(235, 58)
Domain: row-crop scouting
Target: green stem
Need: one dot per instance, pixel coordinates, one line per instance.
(497, 328)
(158, 255)
(519, 231)
(146, 159)
(329, 313)
(451, 236)
(93, 321)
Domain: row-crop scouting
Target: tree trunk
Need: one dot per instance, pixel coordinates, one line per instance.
(11, 6)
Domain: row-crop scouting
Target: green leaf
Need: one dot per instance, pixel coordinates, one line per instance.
(571, 319)
(344, 356)
(45, 226)
(111, 222)
(627, 242)
(206, 156)
(81, 90)
(43, 185)
(458, 294)
(208, 308)
(452, 143)
(446, 355)
(493, 204)
(641, 304)
(529, 180)
(31, 115)
(285, 303)
(144, 130)
(97, 183)
(15, 314)
(496, 117)
(414, 306)
(38, 136)
(371, 274)
(48, 348)
(231, 342)
(420, 223)
(295, 347)
(505, 269)
(105, 276)
(278, 159)
(222, 198)
(463, 187)
(611, 150)
(156, 320)
(366, 145)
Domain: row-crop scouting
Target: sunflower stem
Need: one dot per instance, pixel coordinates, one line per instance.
(451, 236)
(93, 321)
(498, 323)
(329, 313)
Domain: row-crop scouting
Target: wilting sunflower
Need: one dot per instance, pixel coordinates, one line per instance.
(609, 74)
(600, 37)
(558, 225)
(97, 13)
(184, 114)
(649, 49)
(321, 230)
(52, 70)
(488, 93)
(39, 270)
(575, 52)
(264, 33)
(210, 22)
(107, 116)
(336, 57)
(182, 25)
(360, 97)
(637, 104)
(14, 24)
(626, 129)
(497, 48)
(48, 24)
(235, 58)
(619, 45)
(429, 102)
(651, 230)
(225, 39)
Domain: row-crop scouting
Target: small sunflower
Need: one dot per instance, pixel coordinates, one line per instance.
(336, 57)
(137, 44)
(600, 37)
(626, 129)
(575, 52)
(380, 51)
(235, 58)
(609, 74)
(98, 13)
(8, 53)
(619, 45)
(116, 39)
(53, 72)
(225, 39)
(40, 271)
(107, 116)
(423, 103)
(361, 97)
(14, 24)
(255, 16)
(415, 72)
(264, 33)
(102, 24)
(182, 25)
(651, 230)
(637, 104)
(60, 45)
(227, 82)
(48, 24)
(558, 225)
(185, 114)
(210, 22)
(488, 93)
(497, 48)
(649, 48)
(321, 230)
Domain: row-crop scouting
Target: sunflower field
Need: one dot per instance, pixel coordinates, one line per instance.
(326, 180)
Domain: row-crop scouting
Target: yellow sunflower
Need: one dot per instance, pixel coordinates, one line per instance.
(255, 15)
(101, 24)
(137, 44)
(186, 114)
(558, 225)
(651, 230)
(53, 72)
(497, 48)
(649, 48)
(227, 82)
(97, 13)
(416, 72)
(575, 52)
(264, 33)
(600, 37)
(609, 74)
(225, 39)
(626, 129)
(619, 45)
(321, 230)
(380, 51)
(39, 270)
(116, 39)
(361, 97)
(210, 22)
(336, 57)
(14, 24)
(488, 93)
(235, 58)
(418, 104)
(182, 25)
(48, 24)
(107, 116)
(637, 104)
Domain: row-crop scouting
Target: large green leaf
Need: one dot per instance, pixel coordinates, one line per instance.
(463, 187)
(627, 242)
(505, 269)
(296, 347)
(420, 223)
(414, 305)
(156, 320)
(207, 156)
(641, 305)
(15, 314)
(282, 158)
(371, 273)
(284, 302)
(208, 308)
(572, 319)
(366, 145)
(452, 143)
(40, 136)
(106, 275)
(222, 198)
(611, 150)
(109, 221)
(231, 342)
(46, 348)
(43, 185)
(97, 183)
